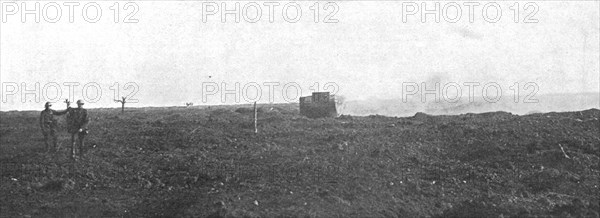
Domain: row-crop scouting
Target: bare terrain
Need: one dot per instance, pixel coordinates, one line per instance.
(201, 162)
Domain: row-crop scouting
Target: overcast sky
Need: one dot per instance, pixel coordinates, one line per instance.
(369, 52)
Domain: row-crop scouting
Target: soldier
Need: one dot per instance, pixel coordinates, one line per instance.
(49, 124)
(77, 121)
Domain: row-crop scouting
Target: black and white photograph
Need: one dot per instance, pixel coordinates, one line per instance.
(308, 108)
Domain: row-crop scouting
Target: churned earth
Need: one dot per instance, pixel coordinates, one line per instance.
(207, 162)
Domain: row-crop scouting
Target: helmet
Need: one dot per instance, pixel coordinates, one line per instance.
(80, 102)
(48, 104)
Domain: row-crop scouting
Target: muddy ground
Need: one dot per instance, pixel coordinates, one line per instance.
(200, 162)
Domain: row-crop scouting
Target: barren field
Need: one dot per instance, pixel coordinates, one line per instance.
(200, 162)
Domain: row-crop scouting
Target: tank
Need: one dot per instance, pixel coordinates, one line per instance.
(320, 104)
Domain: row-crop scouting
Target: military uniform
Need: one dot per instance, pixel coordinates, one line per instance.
(48, 125)
(77, 119)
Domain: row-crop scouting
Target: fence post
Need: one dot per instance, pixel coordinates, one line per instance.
(255, 119)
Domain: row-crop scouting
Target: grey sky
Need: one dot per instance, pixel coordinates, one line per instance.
(170, 52)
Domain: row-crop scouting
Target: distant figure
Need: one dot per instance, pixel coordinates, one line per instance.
(77, 121)
(49, 125)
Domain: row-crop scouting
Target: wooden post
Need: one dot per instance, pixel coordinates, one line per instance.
(255, 120)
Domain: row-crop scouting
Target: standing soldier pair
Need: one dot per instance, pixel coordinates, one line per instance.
(77, 121)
